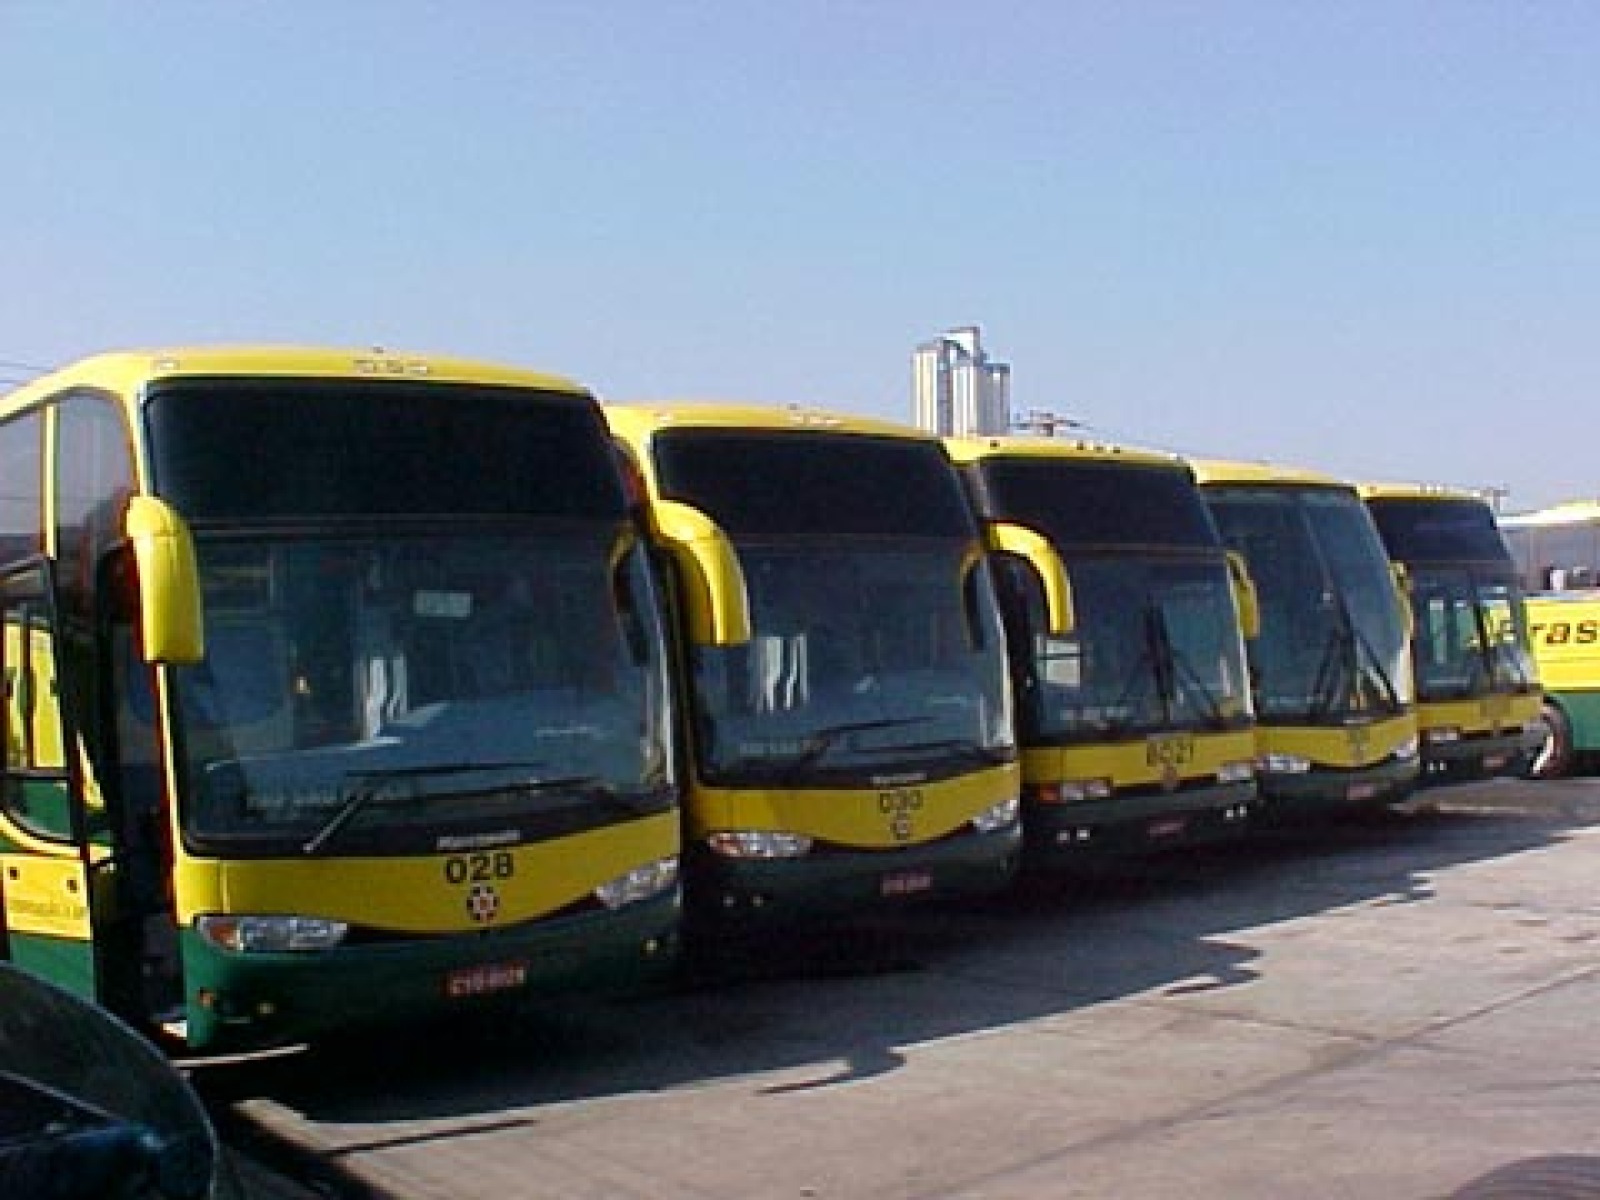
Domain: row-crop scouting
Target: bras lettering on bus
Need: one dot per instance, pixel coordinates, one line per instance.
(1567, 633)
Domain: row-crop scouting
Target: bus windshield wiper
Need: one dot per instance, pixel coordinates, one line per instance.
(388, 786)
(820, 741)
(1497, 658)
(964, 749)
(1180, 678)
(1143, 678)
(1349, 659)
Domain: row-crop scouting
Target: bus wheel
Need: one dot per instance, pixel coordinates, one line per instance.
(1553, 759)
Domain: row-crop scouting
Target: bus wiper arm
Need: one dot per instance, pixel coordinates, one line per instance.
(822, 740)
(366, 788)
(1375, 668)
(1349, 656)
(964, 748)
(1184, 679)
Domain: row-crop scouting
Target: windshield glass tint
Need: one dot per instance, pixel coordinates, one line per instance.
(1438, 531)
(866, 658)
(1471, 633)
(469, 683)
(769, 483)
(1079, 503)
(1155, 646)
(272, 450)
(1332, 643)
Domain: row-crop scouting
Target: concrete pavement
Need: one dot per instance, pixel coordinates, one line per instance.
(1394, 1009)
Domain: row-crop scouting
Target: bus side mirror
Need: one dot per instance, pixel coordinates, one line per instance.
(169, 582)
(1402, 591)
(715, 600)
(1035, 549)
(1245, 597)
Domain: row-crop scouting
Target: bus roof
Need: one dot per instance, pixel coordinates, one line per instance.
(640, 419)
(1420, 492)
(124, 371)
(1214, 470)
(970, 449)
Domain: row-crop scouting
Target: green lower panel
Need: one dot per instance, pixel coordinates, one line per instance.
(1481, 757)
(1288, 796)
(756, 891)
(1060, 835)
(1583, 713)
(67, 964)
(250, 1001)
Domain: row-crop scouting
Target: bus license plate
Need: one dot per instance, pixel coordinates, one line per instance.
(1493, 762)
(1168, 827)
(906, 883)
(1361, 791)
(485, 978)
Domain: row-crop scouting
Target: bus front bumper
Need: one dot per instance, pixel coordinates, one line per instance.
(1329, 790)
(1476, 756)
(1059, 835)
(723, 891)
(259, 1000)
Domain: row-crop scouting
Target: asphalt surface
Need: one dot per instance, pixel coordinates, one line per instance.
(1397, 1007)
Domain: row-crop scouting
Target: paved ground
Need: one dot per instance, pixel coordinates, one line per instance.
(1390, 1010)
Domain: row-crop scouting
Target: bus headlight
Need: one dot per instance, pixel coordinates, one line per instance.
(759, 843)
(997, 816)
(639, 884)
(1284, 764)
(270, 934)
(1441, 734)
(1242, 771)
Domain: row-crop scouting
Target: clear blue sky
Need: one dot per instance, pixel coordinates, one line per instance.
(1359, 236)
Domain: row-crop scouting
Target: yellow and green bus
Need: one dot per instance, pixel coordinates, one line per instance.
(337, 689)
(1331, 664)
(1565, 628)
(1126, 645)
(1478, 698)
(850, 739)
(1557, 554)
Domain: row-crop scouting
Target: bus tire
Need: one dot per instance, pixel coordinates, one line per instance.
(1553, 758)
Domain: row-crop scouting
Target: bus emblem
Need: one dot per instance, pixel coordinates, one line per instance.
(1358, 736)
(898, 804)
(483, 903)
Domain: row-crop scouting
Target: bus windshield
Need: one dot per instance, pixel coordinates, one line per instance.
(1471, 632)
(876, 640)
(449, 634)
(865, 658)
(451, 684)
(436, 686)
(1332, 644)
(1155, 646)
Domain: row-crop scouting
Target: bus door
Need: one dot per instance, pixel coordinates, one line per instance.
(47, 860)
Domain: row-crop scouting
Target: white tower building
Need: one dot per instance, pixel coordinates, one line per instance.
(956, 390)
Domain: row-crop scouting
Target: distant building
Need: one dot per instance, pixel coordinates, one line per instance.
(955, 389)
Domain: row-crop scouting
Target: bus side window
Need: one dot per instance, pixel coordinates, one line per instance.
(22, 497)
(37, 792)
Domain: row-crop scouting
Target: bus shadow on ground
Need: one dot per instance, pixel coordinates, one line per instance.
(847, 1000)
